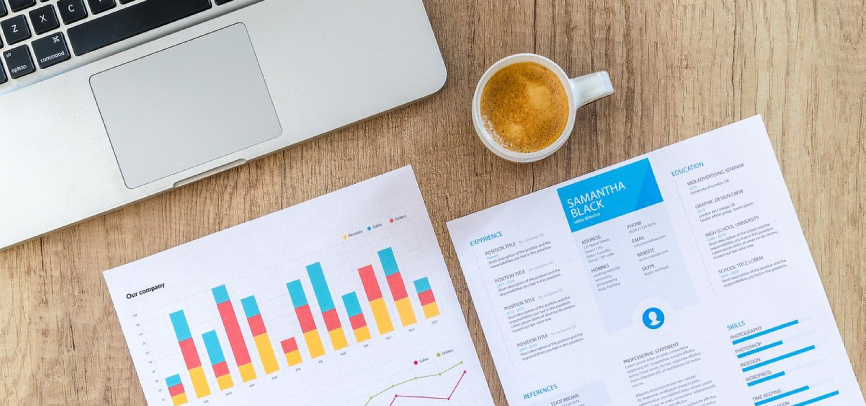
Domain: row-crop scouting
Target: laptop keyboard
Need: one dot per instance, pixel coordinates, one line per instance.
(42, 36)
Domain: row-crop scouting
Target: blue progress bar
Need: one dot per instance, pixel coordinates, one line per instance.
(779, 358)
(765, 332)
(765, 379)
(759, 349)
(782, 396)
(818, 399)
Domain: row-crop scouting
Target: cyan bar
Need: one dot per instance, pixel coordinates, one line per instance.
(779, 358)
(759, 349)
(251, 308)
(181, 328)
(220, 294)
(389, 263)
(353, 307)
(782, 396)
(173, 380)
(320, 287)
(422, 285)
(212, 345)
(765, 379)
(818, 399)
(765, 332)
(296, 291)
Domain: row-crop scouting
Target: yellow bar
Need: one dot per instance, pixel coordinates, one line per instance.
(314, 343)
(199, 382)
(225, 381)
(294, 358)
(404, 308)
(380, 314)
(179, 399)
(248, 373)
(362, 334)
(266, 351)
(338, 338)
(431, 310)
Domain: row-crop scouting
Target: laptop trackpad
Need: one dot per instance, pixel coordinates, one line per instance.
(185, 106)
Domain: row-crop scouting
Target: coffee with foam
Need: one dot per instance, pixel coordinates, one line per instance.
(525, 107)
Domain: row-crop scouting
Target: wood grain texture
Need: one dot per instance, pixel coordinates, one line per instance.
(680, 68)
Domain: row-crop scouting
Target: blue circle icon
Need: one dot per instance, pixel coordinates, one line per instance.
(653, 318)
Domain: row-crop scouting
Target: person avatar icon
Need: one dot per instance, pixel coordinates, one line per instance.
(653, 318)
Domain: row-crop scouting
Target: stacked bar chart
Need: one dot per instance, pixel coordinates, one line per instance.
(190, 354)
(308, 306)
(260, 334)
(425, 296)
(356, 317)
(326, 305)
(292, 352)
(398, 288)
(233, 331)
(377, 302)
(176, 390)
(305, 318)
(217, 360)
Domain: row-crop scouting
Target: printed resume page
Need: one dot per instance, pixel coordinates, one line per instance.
(681, 277)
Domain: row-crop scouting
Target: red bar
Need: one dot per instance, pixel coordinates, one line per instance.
(176, 390)
(221, 369)
(357, 321)
(233, 331)
(305, 317)
(371, 285)
(190, 355)
(426, 297)
(257, 325)
(289, 345)
(332, 320)
(398, 288)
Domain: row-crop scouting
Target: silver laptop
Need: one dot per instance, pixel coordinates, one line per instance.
(105, 102)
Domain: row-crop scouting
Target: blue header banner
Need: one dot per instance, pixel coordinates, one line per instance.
(609, 195)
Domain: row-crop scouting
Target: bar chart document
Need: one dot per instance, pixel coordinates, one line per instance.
(341, 300)
(681, 277)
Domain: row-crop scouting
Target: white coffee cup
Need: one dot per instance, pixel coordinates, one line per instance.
(581, 91)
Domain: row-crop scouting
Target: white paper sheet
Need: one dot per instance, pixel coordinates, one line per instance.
(681, 277)
(196, 336)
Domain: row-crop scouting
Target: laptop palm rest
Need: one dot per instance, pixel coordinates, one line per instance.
(185, 106)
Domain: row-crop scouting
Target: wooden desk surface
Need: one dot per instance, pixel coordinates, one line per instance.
(680, 68)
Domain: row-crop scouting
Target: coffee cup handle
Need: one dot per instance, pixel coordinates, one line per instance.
(589, 88)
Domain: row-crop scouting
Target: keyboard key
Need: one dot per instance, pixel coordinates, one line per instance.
(71, 10)
(3, 11)
(18, 5)
(19, 62)
(219, 2)
(2, 74)
(51, 50)
(44, 19)
(15, 29)
(131, 21)
(126, 1)
(98, 6)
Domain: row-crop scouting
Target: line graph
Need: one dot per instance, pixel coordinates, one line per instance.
(431, 397)
(436, 375)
